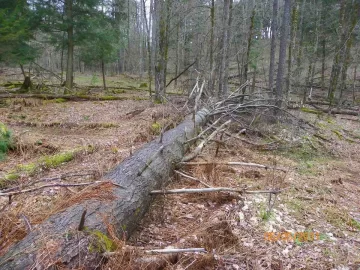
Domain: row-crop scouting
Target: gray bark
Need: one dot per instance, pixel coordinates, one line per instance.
(282, 52)
(273, 44)
(224, 45)
(58, 242)
(70, 44)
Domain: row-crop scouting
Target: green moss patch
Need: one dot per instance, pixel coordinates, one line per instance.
(307, 110)
(56, 160)
(101, 243)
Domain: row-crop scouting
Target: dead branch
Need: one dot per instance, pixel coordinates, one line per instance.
(61, 177)
(214, 189)
(175, 250)
(236, 163)
(181, 73)
(204, 131)
(192, 178)
(53, 185)
(199, 148)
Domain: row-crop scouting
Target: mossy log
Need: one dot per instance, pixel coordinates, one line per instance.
(72, 239)
(338, 111)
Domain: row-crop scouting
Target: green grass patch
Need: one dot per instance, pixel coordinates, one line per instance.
(143, 85)
(340, 218)
(56, 160)
(307, 110)
(28, 169)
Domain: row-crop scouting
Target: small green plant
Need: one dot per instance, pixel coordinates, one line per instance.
(143, 85)
(156, 128)
(5, 141)
(94, 80)
(355, 224)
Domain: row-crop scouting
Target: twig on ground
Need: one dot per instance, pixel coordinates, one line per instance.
(192, 178)
(55, 185)
(61, 177)
(214, 189)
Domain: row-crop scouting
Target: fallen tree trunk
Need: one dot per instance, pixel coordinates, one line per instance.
(337, 111)
(75, 236)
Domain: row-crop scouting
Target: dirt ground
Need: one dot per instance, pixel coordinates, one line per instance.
(319, 190)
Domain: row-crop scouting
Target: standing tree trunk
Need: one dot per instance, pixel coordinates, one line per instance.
(354, 86)
(294, 19)
(162, 13)
(103, 74)
(339, 52)
(224, 47)
(148, 47)
(211, 48)
(70, 44)
(348, 45)
(273, 44)
(247, 59)
(282, 52)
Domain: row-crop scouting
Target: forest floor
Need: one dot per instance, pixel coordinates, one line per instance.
(320, 190)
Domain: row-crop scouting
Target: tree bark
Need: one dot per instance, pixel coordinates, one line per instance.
(211, 48)
(282, 53)
(27, 85)
(247, 59)
(103, 74)
(70, 44)
(273, 44)
(58, 242)
(224, 47)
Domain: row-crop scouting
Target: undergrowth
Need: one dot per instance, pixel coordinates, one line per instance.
(5, 141)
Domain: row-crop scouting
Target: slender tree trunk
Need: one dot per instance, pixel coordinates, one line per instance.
(103, 74)
(282, 52)
(323, 59)
(348, 45)
(223, 82)
(177, 51)
(354, 86)
(247, 59)
(22, 70)
(339, 51)
(323, 48)
(211, 49)
(299, 48)
(253, 80)
(148, 48)
(70, 44)
(273, 44)
(162, 11)
(294, 18)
